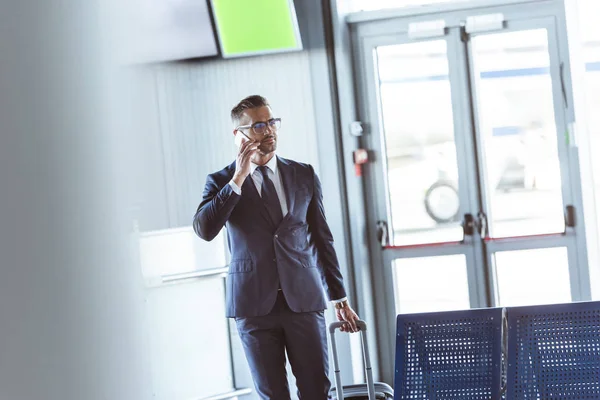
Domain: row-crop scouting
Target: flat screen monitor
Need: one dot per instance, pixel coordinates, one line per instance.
(170, 30)
(252, 27)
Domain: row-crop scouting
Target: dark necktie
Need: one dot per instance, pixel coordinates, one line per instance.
(269, 196)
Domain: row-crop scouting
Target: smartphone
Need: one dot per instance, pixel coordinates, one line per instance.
(240, 137)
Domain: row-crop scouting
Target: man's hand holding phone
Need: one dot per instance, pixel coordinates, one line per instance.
(242, 165)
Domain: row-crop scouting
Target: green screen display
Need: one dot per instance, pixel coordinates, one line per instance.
(256, 26)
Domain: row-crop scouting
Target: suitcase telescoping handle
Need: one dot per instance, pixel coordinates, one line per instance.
(362, 326)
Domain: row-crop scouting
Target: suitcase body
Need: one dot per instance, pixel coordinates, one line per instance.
(364, 391)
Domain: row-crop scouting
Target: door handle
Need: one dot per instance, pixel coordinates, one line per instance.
(570, 217)
(563, 86)
(482, 224)
(468, 225)
(383, 233)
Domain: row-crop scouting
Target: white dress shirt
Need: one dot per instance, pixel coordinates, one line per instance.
(257, 177)
(275, 176)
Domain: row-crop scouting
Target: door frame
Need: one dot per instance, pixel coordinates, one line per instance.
(366, 30)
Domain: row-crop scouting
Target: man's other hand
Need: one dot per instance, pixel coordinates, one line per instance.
(347, 315)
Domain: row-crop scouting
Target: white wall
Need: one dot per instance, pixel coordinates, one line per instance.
(191, 108)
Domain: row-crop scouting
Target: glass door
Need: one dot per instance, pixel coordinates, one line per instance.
(423, 242)
(427, 233)
(473, 196)
(528, 212)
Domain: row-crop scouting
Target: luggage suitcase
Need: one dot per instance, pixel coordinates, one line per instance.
(364, 391)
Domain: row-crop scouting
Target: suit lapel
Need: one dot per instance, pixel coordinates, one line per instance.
(288, 178)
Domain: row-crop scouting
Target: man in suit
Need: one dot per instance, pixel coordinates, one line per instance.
(282, 257)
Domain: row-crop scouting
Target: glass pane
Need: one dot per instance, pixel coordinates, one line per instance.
(588, 20)
(529, 277)
(519, 136)
(422, 170)
(590, 34)
(431, 284)
(592, 81)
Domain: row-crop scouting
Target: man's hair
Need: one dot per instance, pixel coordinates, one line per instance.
(249, 102)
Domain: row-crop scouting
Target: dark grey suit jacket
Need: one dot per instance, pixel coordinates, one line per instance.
(297, 255)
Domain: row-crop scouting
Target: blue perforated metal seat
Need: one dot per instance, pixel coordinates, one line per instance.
(554, 351)
(450, 355)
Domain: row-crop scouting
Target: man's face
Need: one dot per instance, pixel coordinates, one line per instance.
(268, 139)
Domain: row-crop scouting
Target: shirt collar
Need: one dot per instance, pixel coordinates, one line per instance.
(272, 165)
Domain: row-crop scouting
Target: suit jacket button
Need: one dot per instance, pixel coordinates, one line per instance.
(276, 236)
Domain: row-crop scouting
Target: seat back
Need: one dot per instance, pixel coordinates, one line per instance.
(449, 355)
(554, 351)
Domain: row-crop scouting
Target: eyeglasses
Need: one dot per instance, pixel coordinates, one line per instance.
(260, 128)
